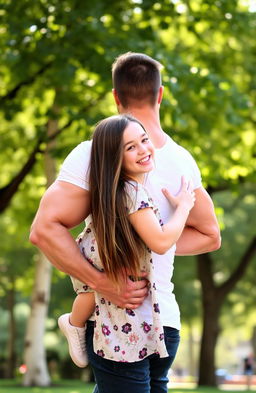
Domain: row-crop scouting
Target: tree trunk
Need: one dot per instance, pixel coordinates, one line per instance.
(211, 303)
(208, 343)
(11, 354)
(35, 357)
(213, 297)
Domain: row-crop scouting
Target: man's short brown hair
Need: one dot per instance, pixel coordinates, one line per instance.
(136, 78)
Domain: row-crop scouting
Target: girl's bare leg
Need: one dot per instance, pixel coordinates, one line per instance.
(82, 309)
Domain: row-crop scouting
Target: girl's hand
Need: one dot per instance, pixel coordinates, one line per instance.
(185, 198)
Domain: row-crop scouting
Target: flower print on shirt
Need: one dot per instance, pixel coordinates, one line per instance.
(130, 312)
(133, 338)
(146, 327)
(105, 330)
(127, 328)
(143, 205)
(143, 353)
(161, 222)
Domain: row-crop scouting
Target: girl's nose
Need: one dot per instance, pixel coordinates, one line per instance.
(142, 149)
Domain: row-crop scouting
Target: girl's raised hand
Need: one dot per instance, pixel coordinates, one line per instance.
(185, 197)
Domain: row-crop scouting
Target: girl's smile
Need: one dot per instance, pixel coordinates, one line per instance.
(138, 152)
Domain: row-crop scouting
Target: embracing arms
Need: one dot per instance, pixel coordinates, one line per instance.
(201, 233)
(63, 207)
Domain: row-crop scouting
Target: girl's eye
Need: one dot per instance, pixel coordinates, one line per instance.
(145, 140)
(130, 147)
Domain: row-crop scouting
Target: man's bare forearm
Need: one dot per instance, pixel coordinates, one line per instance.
(201, 233)
(60, 248)
(193, 242)
(62, 251)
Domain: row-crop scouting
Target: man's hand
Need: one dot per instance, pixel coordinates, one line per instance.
(130, 294)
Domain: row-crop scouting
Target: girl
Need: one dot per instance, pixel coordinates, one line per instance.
(121, 231)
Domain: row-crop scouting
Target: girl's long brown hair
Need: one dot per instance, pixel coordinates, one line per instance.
(120, 248)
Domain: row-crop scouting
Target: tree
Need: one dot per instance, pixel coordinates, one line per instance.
(213, 297)
(34, 356)
(218, 100)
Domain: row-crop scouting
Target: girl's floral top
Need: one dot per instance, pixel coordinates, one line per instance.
(123, 334)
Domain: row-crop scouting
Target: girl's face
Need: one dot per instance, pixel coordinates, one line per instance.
(138, 152)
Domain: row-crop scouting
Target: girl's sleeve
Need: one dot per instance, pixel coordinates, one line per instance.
(137, 197)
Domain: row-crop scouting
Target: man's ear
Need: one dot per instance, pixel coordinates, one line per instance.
(117, 101)
(160, 94)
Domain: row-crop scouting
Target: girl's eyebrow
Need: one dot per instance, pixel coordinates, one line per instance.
(141, 136)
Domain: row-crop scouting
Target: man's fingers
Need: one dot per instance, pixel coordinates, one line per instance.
(138, 291)
(133, 303)
(139, 284)
(131, 306)
(132, 293)
(142, 274)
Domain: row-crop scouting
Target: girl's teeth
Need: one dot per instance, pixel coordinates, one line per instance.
(144, 159)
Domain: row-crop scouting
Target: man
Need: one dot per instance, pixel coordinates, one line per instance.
(138, 91)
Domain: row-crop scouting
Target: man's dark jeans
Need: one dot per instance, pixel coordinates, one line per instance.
(146, 376)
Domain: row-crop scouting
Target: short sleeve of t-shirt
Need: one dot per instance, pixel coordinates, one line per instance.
(75, 168)
(193, 168)
(137, 197)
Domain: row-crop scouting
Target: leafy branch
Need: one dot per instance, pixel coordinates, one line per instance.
(7, 192)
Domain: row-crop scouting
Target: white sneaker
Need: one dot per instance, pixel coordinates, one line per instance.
(76, 340)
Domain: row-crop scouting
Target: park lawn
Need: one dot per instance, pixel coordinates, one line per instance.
(206, 390)
(63, 386)
(75, 386)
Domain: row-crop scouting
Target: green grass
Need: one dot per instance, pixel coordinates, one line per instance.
(207, 390)
(75, 386)
(69, 386)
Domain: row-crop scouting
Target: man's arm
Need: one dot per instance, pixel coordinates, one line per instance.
(63, 207)
(201, 233)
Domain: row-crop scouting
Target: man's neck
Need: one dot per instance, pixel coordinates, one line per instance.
(149, 117)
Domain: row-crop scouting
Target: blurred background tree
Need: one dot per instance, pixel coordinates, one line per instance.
(59, 54)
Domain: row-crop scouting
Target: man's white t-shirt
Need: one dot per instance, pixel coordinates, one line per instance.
(171, 163)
